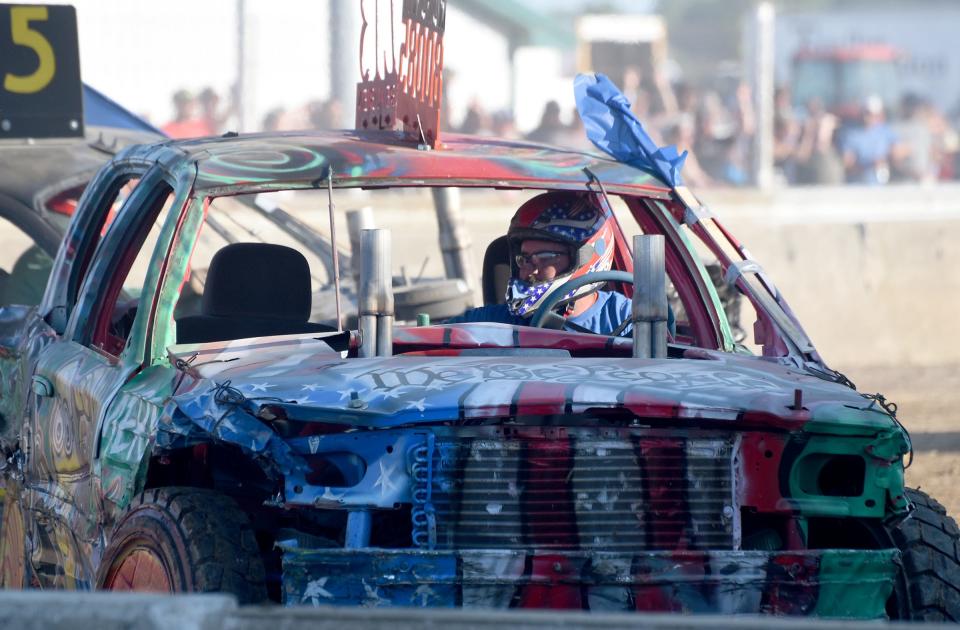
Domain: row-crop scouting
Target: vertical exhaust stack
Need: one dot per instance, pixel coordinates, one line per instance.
(375, 294)
(649, 297)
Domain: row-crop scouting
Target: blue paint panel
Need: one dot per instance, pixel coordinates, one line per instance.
(724, 582)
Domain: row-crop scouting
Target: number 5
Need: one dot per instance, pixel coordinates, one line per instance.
(23, 35)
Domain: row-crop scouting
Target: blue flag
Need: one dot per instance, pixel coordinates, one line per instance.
(615, 130)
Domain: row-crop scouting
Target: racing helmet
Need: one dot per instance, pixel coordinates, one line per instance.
(582, 222)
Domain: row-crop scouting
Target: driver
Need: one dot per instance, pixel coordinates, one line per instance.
(555, 237)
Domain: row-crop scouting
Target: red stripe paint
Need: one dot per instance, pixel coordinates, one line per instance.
(554, 569)
(542, 398)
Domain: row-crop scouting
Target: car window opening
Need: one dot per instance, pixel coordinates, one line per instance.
(258, 267)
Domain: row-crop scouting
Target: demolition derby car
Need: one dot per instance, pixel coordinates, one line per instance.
(228, 443)
(177, 417)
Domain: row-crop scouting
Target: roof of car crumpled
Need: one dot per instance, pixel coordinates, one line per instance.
(249, 162)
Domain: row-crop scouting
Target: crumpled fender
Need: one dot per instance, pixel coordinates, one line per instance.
(207, 410)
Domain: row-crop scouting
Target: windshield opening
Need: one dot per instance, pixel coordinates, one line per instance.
(450, 257)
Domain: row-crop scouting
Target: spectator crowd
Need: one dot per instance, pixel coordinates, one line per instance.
(716, 124)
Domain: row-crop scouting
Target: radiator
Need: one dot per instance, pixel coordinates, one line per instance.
(630, 493)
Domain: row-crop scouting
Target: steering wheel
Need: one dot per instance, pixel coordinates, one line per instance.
(544, 315)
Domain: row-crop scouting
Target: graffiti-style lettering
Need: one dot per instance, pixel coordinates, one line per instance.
(380, 379)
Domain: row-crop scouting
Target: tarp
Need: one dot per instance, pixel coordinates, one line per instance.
(615, 130)
(101, 111)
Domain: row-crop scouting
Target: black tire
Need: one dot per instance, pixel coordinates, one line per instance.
(201, 538)
(929, 586)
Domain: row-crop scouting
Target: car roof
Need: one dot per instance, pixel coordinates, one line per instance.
(31, 166)
(260, 162)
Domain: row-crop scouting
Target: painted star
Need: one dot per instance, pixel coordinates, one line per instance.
(315, 590)
(373, 598)
(310, 388)
(390, 393)
(425, 593)
(345, 393)
(260, 387)
(302, 401)
(385, 481)
(419, 405)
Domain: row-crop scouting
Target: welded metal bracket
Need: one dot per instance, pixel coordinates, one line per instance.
(694, 211)
(738, 269)
(743, 267)
(695, 214)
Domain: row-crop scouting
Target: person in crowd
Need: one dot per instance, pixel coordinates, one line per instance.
(786, 133)
(325, 114)
(186, 123)
(870, 147)
(714, 139)
(817, 159)
(946, 146)
(475, 121)
(686, 99)
(273, 121)
(212, 115)
(681, 134)
(918, 162)
(555, 237)
(551, 129)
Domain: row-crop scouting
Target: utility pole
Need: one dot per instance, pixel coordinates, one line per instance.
(762, 73)
(240, 84)
(345, 57)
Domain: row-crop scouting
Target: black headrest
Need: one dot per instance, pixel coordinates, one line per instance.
(497, 269)
(258, 280)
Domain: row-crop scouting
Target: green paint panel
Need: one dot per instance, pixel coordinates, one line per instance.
(855, 583)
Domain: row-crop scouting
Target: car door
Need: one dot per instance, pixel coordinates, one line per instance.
(79, 376)
(25, 333)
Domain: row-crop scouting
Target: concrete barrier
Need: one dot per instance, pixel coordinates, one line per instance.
(72, 610)
(47, 610)
(872, 273)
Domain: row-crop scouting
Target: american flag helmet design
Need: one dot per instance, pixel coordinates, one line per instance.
(583, 222)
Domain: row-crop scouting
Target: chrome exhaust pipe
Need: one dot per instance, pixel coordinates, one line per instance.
(375, 295)
(649, 297)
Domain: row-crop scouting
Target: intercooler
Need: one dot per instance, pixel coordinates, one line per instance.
(624, 493)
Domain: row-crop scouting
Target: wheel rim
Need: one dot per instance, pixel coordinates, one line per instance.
(139, 570)
(12, 556)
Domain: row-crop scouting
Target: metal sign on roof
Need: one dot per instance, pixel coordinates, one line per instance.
(40, 88)
(406, 89)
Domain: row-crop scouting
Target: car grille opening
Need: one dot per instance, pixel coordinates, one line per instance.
(633, 493)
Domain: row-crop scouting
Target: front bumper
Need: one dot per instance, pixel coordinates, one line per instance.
(828, 583)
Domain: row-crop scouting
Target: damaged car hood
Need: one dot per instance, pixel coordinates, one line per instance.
(309, 380)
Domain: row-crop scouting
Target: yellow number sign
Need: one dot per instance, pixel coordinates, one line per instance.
(23, 35)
